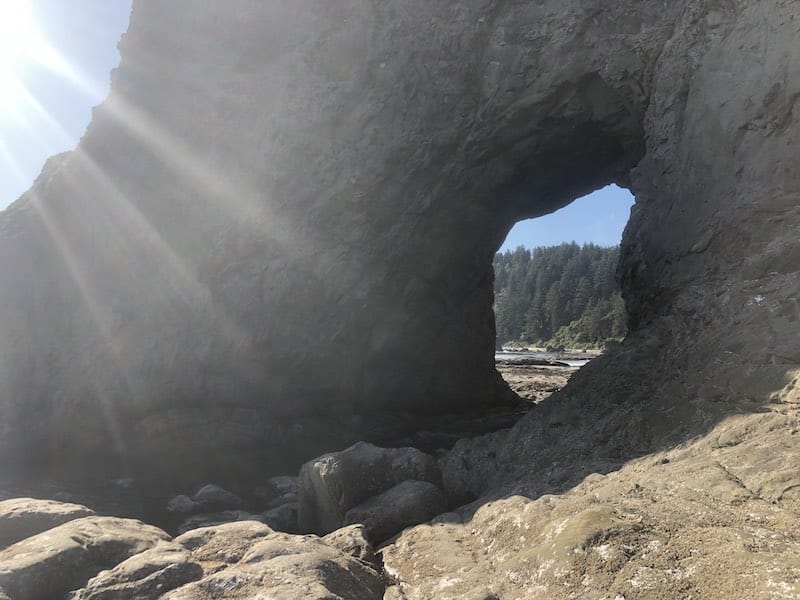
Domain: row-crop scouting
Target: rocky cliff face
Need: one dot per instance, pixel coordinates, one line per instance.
(278, 229)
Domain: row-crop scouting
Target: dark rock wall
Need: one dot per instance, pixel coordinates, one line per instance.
(284, 214)
(710, 265)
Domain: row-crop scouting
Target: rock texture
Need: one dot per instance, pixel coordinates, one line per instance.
(249, 560)
(104, 558)
(212, 497)
(408, 503)
(290, 567)
(283, 517)
(149, 574)
(275, 239)
(50, 564)
(203, 520)
(352, 540)
(255, 238)
(332, 484)
(222, 545)
(21, 518)
(715, 518)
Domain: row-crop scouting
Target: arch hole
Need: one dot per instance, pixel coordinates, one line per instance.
(557, 300)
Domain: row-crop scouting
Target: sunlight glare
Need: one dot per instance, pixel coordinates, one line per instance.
(18, 38)
(22, 46)
(18, 34)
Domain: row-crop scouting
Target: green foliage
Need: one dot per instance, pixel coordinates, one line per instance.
(563, 295)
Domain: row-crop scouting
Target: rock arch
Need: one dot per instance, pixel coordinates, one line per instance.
(279, 226)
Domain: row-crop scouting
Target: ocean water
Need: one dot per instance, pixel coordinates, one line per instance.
(542, 355)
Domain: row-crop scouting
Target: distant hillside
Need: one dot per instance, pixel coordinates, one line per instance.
(563, 295)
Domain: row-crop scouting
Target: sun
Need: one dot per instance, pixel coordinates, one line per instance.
(19, 44)
(22, 46)
(19, 36)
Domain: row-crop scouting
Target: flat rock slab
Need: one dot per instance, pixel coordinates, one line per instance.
(149, 574)
(50, 564)
(334, 483)
(714, 519)
(21, 518)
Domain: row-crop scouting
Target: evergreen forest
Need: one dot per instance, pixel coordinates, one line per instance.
(559, 296)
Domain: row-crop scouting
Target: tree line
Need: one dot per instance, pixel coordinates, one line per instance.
(563, 295)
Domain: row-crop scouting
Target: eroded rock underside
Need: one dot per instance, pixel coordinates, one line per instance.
(277, 233)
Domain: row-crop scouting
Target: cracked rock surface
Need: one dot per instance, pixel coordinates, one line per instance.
(714, 518)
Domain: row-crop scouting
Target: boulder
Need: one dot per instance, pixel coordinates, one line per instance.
(277, 487)
(334, 483)
(278, 492)
(353, 541)
(21, 518)
(470, 467)
(288, 567)
(101, 558)
(210, 498)
(50, 564)
(408, 503)
(290, 498)
(182, 505)
(218, 518)
(146, 575)
(221, 545)
(282, 518)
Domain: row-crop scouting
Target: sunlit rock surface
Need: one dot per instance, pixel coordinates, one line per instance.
(21, 518)
(711, 519)
(98, 558)
(277, 233)
(60, 559)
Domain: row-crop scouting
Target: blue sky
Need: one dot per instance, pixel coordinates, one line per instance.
(599, 217)
(84, 35)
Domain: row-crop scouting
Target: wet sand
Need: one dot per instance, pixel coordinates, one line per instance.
(534, 382)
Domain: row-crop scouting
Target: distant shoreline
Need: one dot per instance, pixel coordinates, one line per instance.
(568, 354)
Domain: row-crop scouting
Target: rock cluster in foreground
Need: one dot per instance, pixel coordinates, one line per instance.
(358, 497)
(714, 518)
(99, 558)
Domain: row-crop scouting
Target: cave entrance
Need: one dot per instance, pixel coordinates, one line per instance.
(557, 301)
